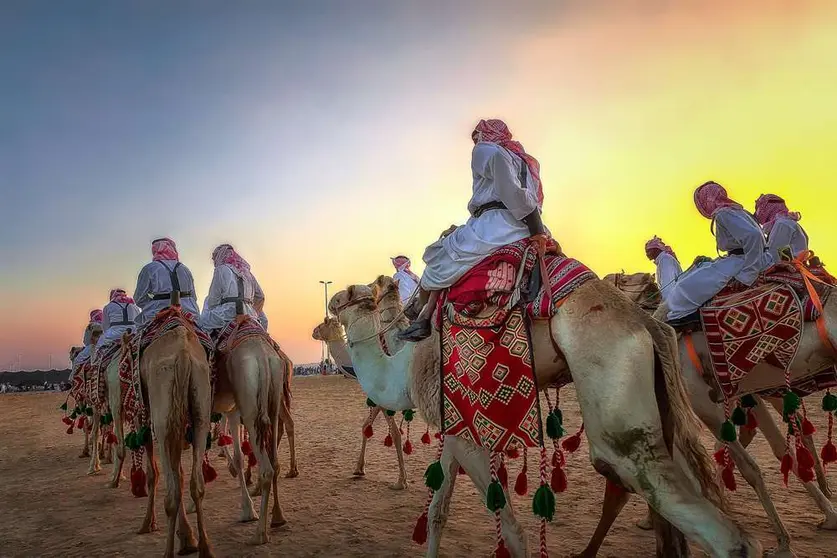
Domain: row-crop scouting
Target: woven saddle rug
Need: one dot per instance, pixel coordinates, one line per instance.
(489, 390)
(237, 331)
(745, 328)
(826, 379)
(99, 363)
(78, 385)
(133, 407)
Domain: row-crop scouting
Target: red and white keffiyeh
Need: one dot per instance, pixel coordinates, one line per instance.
(226, 254)
(711, 197)
(402, 263)
(655, 247)
(164, 249)
(96, 316)
(769, 208)
(496, 131)
(120, 296)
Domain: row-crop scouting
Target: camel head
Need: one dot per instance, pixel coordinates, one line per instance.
(74, 351)
(385, 287)
(355, 301)
(329, 330)
(640, 288)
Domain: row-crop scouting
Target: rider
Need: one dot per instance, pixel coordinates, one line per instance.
(781, 226)
(157, 280)
(119, 316)
(737, 234)
(668, 266)
(407, 280)
(94, 324)
(505, 207)
(232, 282)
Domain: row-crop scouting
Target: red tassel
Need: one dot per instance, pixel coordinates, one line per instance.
(209, 473)
(420, 530)
(513, 453)
(425, 438)
(806, 475)
(501, 551)
(67, 420)
(572, 443)
(110, 438)
(521, 485)
(224, 440)
(503, 476)
(829, 453)
(461, 470)
(246, 448)
(804, 459)
(728, 476)
(438, 435)
(368, 432)
(388, 441)
(752, 422)
(70, 429)
(807, 427)
(80, 422)
(719, 456)
(138, 481)
(558, 482)
(408, 447)
(251, 460)
(787, 466)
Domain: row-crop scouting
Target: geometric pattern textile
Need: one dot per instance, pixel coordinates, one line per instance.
(826, 379)
(235, 332)
(745, 328)
(489, 392)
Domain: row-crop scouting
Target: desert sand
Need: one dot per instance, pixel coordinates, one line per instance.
(50, 507)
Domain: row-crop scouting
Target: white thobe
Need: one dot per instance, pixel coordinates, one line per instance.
(668, 270)
(217, 314)
(155, 278)
(263, 320)
(112, 314)
(786, 232)
(496, 173)
(734, 229)
(406, 284)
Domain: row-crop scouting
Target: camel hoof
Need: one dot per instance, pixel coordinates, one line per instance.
(112, 484)
(292, 474)
(206, 551)
(400, 485)
(828, 524)
(359, 474)
(188, 549)
(149, 528)
(248, 516)
(644, 524)
(84, 455)
(261, 538)
(278, 522)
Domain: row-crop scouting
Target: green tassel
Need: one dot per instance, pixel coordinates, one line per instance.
(370, 403)
(829, 402)
(73, 415)
(748, 402)
(215, 417)
(64, 406)
(408, 415)
(208, 441)
(554, 425)
(790, 404)
(131, 441)
(434, 476)
(89, 411)
(728, 431)
(495, 498)
(739, 417)
(543, 504)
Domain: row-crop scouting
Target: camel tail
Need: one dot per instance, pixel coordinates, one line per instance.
(264, 397)
(676, 411)
(287, 395)
(182, 403)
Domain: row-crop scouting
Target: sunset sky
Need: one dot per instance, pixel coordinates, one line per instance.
(321, 140)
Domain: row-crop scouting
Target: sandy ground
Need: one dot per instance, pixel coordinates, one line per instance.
(51, 508)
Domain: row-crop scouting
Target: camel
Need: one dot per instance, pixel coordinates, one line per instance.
(85, 452)
(811, 358)
(175, 378)
(616, 355)
(254, 388)
(385, 290)
(96, 331)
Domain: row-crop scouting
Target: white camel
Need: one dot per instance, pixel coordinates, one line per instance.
(633, 402)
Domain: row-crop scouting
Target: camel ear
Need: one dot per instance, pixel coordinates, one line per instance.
(351, 292)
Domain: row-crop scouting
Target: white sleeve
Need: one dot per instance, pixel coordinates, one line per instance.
(143, 287)
(105, 318)
(748, 235)
(519, 200)
(780, 236)
(217, 288)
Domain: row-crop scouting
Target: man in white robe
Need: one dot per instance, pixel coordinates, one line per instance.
(157, 280)
(505, 207)
(781, 226)
(737, 234)
(118, 316)
(668, 266)
(232, 282)
(94, 327)
(407, 280)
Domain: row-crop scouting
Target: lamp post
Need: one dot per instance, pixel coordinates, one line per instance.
(325, 285)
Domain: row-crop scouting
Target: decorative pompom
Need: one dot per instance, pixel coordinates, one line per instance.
(808, 427)
(787, 467)
(246, 447)
(829, 402)
(572, 443)
(390, 413)
(543, 503)
(521, 485)
(80, 422)
(368, 432)
(495, 498)
(70, 429)
(67, 420)
(434, 476)
(388, 441)
(110, 438)
(408, 447)
(215, 417)
(558, 482)
(554, 426)
(728, 433)
(728, 476)
(804, 459)
(425, 438)
(720, 456)
(63, 407)
(503, 476)
(829, 453)
(420, 530)
(748, 401)
(138, 481)
(409, 414)
(224, 440)
(209, 473)
(739, 417)
(790, 404)
(438, 435)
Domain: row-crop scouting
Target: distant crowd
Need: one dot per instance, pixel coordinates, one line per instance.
(46, 386)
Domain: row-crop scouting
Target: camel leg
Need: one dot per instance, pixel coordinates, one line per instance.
(277, 518)
(361, 460)
(437, 513)
(171, 468)
(776, 440)
(115, 402)
(399, 452)
(94, 467)
(615, 498)
(288, 422)
(248, 512)
(265, 479)
(149, 524)
(85, 453)
(197, 486)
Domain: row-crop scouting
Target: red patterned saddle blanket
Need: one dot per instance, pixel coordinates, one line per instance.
(238, 331)
(745, 328)
(825, 379)
(133, 408)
